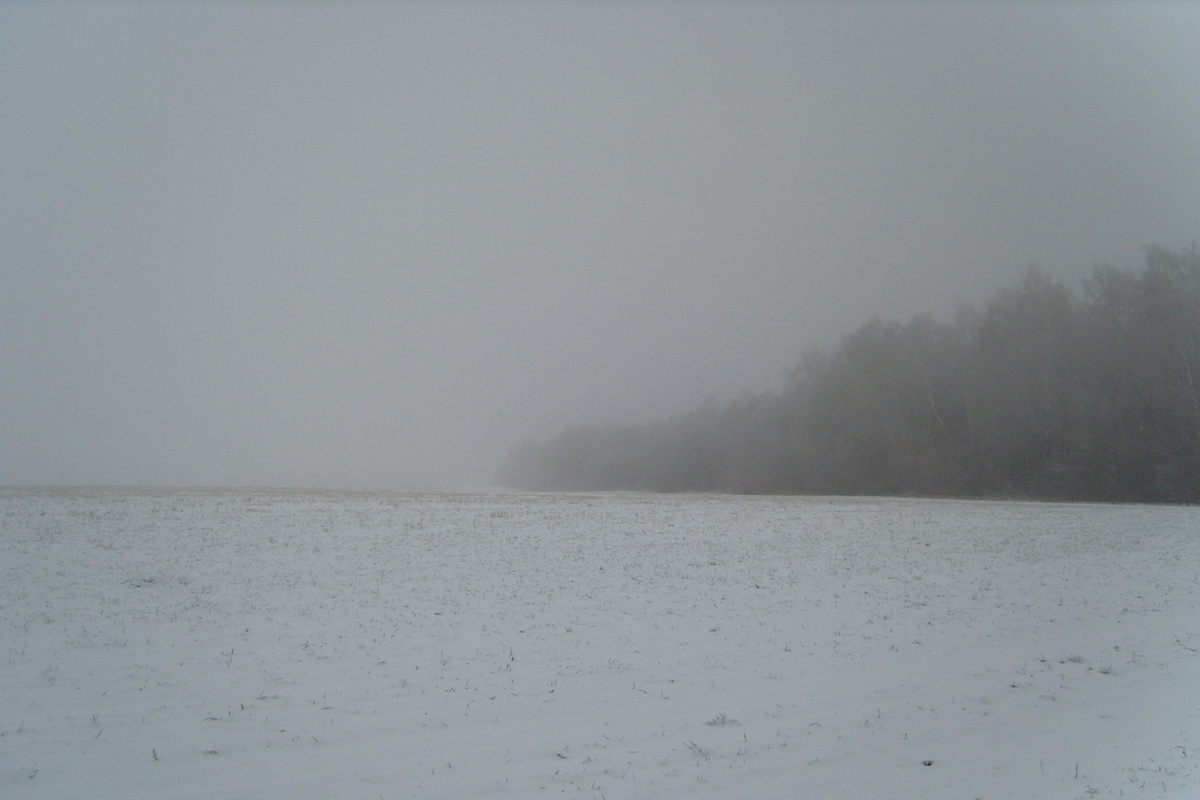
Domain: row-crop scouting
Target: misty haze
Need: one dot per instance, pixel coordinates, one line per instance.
(378, 245)
(611, 399)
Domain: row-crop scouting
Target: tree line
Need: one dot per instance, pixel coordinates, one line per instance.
(1044, 393)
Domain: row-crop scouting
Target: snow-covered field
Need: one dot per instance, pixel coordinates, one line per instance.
(277, 644)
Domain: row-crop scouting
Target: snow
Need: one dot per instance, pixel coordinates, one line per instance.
(289, 644)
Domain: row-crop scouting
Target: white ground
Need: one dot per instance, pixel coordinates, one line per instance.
(310, 645)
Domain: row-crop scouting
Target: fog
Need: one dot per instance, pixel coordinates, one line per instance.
(376, 245)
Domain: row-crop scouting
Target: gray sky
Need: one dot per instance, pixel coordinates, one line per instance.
(375, 245)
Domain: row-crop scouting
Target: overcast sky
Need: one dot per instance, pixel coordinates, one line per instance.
(375, 245)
